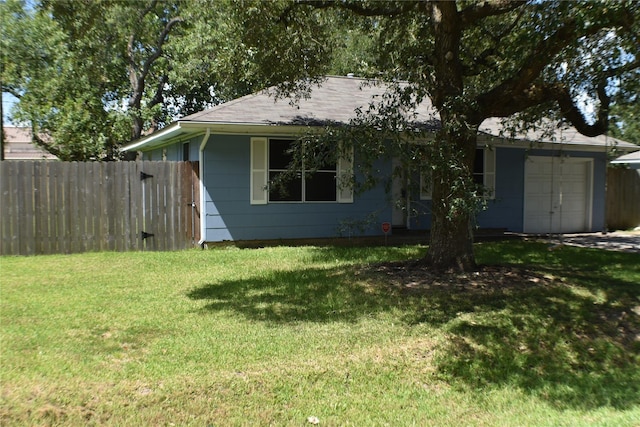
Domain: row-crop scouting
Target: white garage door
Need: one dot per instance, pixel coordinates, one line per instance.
(557, 195)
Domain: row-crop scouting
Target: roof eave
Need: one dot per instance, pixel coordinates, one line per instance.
(155, 139)
(179, 129)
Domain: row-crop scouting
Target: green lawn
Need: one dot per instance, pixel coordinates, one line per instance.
(274, 336)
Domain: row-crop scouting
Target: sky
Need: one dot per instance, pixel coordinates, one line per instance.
(8, 101)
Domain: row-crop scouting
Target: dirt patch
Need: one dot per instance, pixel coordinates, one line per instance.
(581, 315)
(413, 277)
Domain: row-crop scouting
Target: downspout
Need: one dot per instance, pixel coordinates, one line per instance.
(203, 202)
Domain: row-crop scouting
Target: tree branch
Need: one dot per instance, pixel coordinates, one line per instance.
(39, 142)
(12, 90)
(538, 94)
(137, 77)
(478, 11)
(357, 7)
(571, 112)
(522, 85)
(159, 43)
(629, 66)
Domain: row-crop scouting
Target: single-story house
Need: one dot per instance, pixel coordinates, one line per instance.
(18, 145)
(538, 184)
(631, 159)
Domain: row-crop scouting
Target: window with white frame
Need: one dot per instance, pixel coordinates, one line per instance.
(272, 180)
(186, 148)
(484, 175)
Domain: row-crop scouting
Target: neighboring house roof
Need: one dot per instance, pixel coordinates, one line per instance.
(18, 145)
(631, 159)
(334, 102)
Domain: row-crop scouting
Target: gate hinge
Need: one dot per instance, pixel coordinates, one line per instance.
(144, 176)
(144, 235)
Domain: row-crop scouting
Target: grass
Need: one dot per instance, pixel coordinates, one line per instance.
(276, 335)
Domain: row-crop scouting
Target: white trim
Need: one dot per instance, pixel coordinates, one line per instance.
(344, 175)
(489, 171)
(203, 201)
(259, 174)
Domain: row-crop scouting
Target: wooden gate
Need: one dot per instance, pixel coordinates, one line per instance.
(52, 207)
(623, 198)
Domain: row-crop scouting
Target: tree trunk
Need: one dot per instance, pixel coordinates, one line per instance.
(451, 245)
(453, 208)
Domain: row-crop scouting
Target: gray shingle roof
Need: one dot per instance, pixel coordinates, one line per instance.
(631, 159)
(18, 145)
(335, 101)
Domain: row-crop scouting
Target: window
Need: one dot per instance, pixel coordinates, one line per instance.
(185, 152)
(298, 185)
(272, 181)
(484, 175)
(484, 171)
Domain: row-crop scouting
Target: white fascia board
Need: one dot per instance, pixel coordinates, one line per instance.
(631, 159)
(246, 128)
(155, 139)
(179, 130)
(505, 142)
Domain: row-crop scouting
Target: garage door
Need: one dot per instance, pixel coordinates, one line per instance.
(557, 195)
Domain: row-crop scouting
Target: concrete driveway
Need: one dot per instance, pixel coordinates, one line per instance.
(624, 241)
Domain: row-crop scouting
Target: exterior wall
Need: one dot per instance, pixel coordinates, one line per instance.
(18, 145)
(506, 211)
(230, 216)
(174, 152)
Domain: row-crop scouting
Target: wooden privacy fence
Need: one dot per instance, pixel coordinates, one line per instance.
(50, 207)
(623, 198)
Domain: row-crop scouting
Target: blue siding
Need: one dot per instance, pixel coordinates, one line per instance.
(174, 153)
(230, 216)
(506, 211)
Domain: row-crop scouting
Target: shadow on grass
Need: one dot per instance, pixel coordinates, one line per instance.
(571, 340)
(311, 295)
(555, 342)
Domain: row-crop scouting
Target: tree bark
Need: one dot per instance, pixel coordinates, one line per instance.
(453, 209)
(451, 244)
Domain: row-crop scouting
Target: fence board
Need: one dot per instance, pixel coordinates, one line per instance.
(195, 191)
(135, 207)
(54, 213)
(65, 207)
(92, 219)
(623, 198)
(41, 183)
(9, 208)
(85, 217)
(173, 200)
(25, 206)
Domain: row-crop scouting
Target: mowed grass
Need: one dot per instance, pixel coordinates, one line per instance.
(277, 335)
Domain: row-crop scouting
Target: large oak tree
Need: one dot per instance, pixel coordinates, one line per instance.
(92, 75)
(474, 60)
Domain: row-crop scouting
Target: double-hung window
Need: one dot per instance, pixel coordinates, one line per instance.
(484, 172)
(275, 181)
(484, 175)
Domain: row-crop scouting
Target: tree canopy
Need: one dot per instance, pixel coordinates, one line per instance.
(94, 74)
(474, 60)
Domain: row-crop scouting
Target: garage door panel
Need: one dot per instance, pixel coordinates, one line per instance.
(557, 195)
